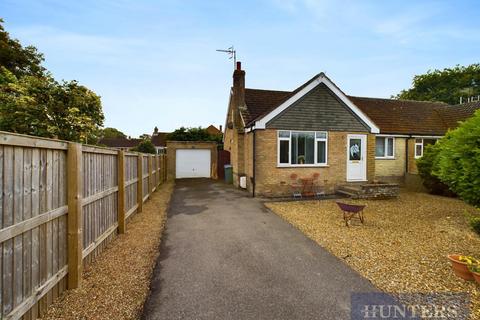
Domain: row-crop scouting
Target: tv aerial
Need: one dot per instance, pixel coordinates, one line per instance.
(232, 53)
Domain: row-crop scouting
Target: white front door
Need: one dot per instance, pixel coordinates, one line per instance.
(356, 157)
(192, 163)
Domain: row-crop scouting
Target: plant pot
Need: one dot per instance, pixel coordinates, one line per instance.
(460, 268)
(476, 276)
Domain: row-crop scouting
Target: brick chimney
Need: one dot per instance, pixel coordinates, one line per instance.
(238, 93)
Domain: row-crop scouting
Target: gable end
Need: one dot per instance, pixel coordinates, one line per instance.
(319, 109)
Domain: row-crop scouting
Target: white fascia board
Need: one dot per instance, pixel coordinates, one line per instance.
(261, 124)
(392, 135)
(427, 137)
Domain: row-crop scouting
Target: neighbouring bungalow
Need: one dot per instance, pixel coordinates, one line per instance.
(318, 129)
(159, 140)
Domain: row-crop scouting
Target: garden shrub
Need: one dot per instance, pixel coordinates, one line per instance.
(475, 224)
(425, 164)
(457, 163)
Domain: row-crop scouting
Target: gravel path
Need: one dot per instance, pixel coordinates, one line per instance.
(403, 245)
(116, 284)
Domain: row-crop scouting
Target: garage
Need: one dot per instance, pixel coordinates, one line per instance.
(192, 163)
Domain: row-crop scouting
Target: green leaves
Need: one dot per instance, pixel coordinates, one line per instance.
(41, 106)
(455, 160)
(32, 102)
(446, 85)
(193, 134)
(146, 146)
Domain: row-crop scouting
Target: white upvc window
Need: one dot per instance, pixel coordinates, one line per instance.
(302, 148)
(420, 144)
(384, 147)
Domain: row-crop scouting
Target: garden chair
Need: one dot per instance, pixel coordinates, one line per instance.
(295, 187)
(318, 190)
(351, 211)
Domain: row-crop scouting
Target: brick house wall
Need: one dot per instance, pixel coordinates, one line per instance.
(392, 170)
(274, 181)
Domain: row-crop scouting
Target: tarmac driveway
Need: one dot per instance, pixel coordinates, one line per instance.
(225, 256)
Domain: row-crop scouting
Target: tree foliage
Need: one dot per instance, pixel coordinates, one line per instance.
(193, 134)
(41, 106)
(425, 164)
(33, 102)
(146, 146)
(19, 60)
(457, 160)
(112, 133)
(446, 85)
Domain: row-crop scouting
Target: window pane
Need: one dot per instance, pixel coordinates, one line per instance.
(390, 147)
(355, 149)
(284, 134)
(294, 155)
(303, 147)
(321, 135)
(284, 151)
(418, 140)
(309, 148)
(321, 152)
(418, 150)
(380, 147)
(427, 142)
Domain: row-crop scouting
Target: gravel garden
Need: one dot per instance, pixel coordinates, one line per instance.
(403, 245)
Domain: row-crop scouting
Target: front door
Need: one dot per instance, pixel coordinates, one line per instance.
(356, 157)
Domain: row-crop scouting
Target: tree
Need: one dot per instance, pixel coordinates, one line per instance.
(457, 163)
(446, 85)
(112, 133)
(43, 107)
(17, 59)
(146, 146)
(193, 134)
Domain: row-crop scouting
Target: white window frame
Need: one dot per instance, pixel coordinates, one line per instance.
(315, 150)
(385, 148)
(415, 148)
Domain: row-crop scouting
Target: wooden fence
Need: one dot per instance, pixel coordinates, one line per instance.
(60, 205)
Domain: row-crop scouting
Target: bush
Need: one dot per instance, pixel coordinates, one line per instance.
(146, 146)
(457, 163)
(475, 224)
(425, 164)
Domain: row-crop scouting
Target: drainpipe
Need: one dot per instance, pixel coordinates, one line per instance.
(253, 158)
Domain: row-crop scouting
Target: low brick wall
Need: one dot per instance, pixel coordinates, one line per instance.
(379, 191)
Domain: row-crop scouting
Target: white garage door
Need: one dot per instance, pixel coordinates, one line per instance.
(192, 163)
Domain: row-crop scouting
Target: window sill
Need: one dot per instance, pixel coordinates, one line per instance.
(303, 166)
(385, 158)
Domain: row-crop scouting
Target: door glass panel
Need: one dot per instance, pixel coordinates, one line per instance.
(355, 149)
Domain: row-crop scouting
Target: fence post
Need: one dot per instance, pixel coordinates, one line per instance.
(121, 192)
(150, 180)
(140, 183)
(157, 170)
(74, 217)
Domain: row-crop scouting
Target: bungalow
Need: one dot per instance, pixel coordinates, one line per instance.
(318, 129)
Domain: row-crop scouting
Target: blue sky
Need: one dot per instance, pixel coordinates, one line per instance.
(154, 62)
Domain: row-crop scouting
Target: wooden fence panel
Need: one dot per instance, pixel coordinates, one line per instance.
(131, 184)
(32, 226)
(34, 205)
(99, 201)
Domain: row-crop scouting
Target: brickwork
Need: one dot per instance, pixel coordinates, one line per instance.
(392, 170)
(272, 180)
(412, 164)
